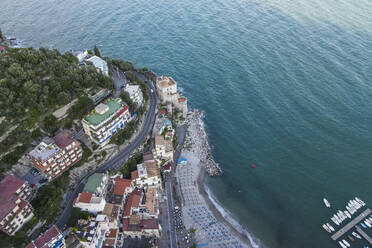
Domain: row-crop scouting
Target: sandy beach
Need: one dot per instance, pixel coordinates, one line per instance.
(199, 212)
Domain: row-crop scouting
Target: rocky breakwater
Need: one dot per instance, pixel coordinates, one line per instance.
(197, 142)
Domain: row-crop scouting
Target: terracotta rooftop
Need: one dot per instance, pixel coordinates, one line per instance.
(161, 112)
(63, 139)
(134, 174)
(133, 201)
(148, 156)
(167, 167)
(112, 233)
(149, 224)
(85, 197)
(9, 185)
(121, 185)
(44, 239)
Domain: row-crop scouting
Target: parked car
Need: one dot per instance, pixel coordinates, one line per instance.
(44, 180)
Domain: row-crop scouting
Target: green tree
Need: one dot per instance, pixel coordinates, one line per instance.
(50, 124)
(126, 98)
(96, 51)
(80, 108)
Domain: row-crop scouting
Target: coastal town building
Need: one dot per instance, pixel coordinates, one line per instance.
(53, 237)
(135, 93)
(91, 233)
(15, 210)
(163, 148)
(99, 96)
(106, 120)
(92, 199)
(122, 187)
(112, 212)
(148, 175)
(132, 203)
(100, 64)
(55, 156)
(80, 54)
(111, 238)
(166, 88)
(135, 227)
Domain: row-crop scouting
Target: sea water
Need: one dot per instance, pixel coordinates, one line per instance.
(285, 85)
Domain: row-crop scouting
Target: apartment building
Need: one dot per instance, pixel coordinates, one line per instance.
(100, 64)
(135, 93)
(135, 227)
(122, 187)
(166, 88)
(148, 175)
(55, 156)
(92, 199)
(163, 148)
(106, 120)
(15, 210)
(53, 237)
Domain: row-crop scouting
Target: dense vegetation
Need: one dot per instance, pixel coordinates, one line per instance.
(131, 165)
(126, 133)
(77, 214)
(34, 83)
(20, 238)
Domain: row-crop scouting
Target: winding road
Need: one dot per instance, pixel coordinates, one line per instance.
(119, 159)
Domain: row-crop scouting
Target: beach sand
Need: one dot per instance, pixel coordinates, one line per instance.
(199, 211)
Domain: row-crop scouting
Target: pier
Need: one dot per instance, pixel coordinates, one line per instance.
(364, 235)
(351, 224)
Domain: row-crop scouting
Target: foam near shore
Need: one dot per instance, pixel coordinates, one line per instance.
(196, 195)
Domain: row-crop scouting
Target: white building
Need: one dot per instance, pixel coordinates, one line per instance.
(168, 93)
(53, 237)
(92, 199)
(106, 120)
(163, 148)
(100, 64)
(135, 93)
(80, 55)
(91, 233)
(148, 175)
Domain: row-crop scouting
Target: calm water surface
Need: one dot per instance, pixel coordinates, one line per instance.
(284, 84)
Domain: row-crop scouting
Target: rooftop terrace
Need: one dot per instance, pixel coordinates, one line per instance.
(94, 118)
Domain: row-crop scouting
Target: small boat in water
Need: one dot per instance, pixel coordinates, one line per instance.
(342, 244)
(347, 214)
(346, 243)
(330, 227)
(351, 238)
(362, 224)
(367, 223)
(326, 228)
(326, 202)
(356, 235)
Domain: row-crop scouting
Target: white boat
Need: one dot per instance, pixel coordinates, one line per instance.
(356, 235)
(360, 201)
(330, 227)
(356, 204)
(346, 243)
(335, 220)
(326, 228)
(370, 219)
(326, 202)
(350, 210)
(347, 214)
(342, 244)
(367, 224)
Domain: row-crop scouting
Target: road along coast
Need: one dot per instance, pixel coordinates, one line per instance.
(199, 212)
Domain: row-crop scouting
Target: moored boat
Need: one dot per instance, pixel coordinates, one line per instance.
(326, 203)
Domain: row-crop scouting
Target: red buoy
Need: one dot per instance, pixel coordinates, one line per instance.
(253, 166)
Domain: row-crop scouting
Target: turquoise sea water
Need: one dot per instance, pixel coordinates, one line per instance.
(284, 84)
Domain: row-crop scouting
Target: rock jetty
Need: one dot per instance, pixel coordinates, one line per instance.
(199, 142)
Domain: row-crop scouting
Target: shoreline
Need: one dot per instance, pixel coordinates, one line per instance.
(213, 208)
(200, 161)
